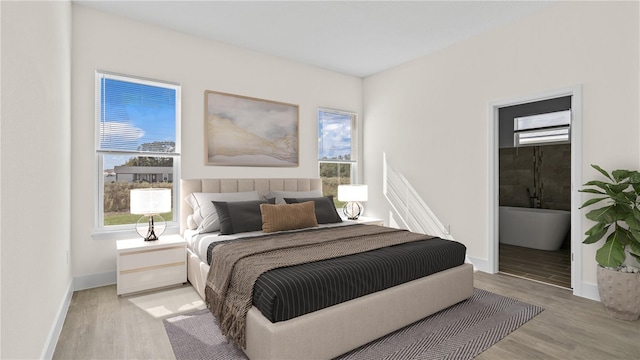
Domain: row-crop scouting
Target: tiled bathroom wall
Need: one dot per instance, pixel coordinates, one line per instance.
(553, 178)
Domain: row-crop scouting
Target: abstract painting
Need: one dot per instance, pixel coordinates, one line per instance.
(245, 131)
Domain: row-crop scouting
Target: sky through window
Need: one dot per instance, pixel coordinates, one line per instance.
(134, 114)
(334, 136)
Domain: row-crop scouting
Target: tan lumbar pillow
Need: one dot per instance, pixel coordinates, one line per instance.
(288, 216)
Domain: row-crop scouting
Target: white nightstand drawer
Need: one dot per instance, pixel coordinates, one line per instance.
(150, 258)
(138, 280)
(143, 265)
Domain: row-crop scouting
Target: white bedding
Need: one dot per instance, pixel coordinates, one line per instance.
(199, 243)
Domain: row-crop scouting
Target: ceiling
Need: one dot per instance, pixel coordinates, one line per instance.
(359, 38)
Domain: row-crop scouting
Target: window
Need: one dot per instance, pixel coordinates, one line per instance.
(137, 144)
(548, 128)
(337, 150)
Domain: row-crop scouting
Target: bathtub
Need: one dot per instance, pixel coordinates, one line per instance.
(542, 229)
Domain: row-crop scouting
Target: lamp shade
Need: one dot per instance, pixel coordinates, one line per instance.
(353, 192)
(150, 201)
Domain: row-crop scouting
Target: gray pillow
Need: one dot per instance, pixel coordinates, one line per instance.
(240, 216)
(325, 209)
(280, 195)
(205, 217)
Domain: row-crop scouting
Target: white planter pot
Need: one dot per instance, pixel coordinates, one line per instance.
(619, 293)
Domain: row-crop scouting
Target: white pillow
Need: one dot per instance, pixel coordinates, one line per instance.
(205, 215)
(191, 224)
(280, 195)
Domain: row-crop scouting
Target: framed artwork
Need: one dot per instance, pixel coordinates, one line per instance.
(245, 131)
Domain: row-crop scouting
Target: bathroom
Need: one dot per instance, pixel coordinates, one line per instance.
(535, 191)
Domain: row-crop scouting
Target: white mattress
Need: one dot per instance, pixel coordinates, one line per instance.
(199, 243)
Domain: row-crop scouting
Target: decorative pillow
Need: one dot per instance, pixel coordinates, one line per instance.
(191, 224)
(204, 213)
(282, 217)
(280, 195)
(325, 209)
(239, 216)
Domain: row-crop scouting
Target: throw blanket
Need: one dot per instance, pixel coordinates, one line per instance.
(236, 266)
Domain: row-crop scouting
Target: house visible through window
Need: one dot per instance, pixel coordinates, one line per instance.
(137, 143)
(337, 150)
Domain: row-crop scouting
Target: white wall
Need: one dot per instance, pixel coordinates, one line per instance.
(0, 183)
(430, 115)
(35, 150)
(111, 43)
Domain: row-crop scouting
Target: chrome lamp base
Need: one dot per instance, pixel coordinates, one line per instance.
(152, 227)
(352, 210)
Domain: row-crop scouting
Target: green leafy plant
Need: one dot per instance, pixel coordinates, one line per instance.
(620, 218)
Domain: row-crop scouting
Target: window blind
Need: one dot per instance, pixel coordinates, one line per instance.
(136, 117)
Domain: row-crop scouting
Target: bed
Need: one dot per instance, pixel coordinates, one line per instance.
(335, 330)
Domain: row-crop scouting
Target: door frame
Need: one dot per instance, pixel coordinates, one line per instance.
(576, 176)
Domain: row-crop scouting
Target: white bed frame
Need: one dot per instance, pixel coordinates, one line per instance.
(333, 331)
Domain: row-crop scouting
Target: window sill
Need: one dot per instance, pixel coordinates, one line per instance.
(121, 234)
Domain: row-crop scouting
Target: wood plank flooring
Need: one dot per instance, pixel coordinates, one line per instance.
(553, 267)
(571, 327)
(101, 325)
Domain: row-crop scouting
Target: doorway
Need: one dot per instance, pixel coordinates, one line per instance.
(572, 96)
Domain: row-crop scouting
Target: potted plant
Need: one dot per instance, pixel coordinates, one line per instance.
(619, 219)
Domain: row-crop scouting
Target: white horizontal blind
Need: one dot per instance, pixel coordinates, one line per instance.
(136, 115)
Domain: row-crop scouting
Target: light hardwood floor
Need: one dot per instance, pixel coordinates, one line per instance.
(101, 325)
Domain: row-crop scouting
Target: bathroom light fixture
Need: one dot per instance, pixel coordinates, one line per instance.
(353, 194)
(150, 202)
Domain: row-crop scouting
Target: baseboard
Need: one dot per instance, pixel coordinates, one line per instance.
(54, 334)
(480, 264)
(94, 280)
(77, 283)
(589, 291)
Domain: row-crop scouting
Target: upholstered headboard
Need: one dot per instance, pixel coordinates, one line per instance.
(263, 186)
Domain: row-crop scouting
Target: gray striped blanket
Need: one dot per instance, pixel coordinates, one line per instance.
(235, 266)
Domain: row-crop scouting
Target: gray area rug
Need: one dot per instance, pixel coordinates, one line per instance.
(460, 332)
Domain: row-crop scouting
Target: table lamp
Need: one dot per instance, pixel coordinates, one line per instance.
(353, 194)
(150, 202)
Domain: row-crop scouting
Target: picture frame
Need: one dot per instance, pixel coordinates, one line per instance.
(245, 131)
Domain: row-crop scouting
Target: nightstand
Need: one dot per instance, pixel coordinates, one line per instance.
(145, 265)
(367, 220)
